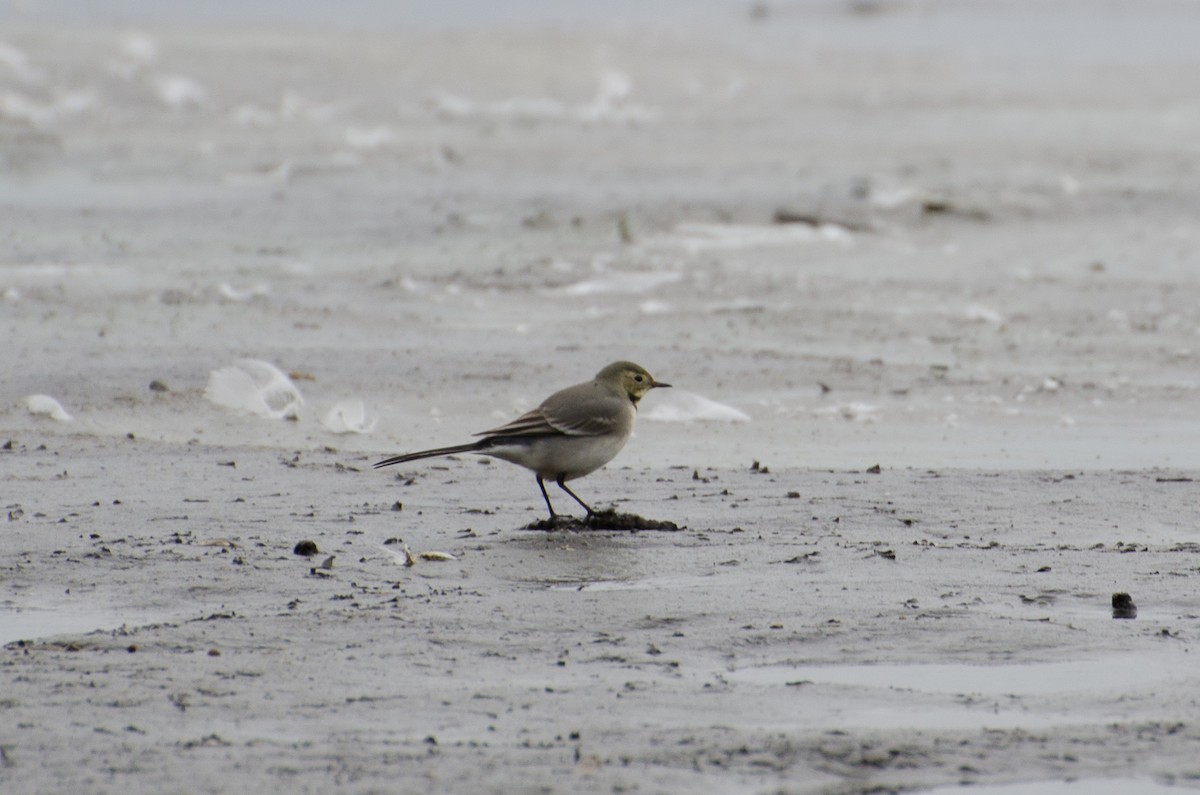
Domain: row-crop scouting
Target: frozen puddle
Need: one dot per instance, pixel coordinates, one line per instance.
(30, 623)
(1110, 674)
(1094, 786)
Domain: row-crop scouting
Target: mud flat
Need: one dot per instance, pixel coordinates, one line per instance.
(808, 631)
(923, 275)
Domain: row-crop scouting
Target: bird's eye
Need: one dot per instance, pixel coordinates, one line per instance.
(638, 378)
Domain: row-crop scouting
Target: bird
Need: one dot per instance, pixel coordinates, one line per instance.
(572, 433)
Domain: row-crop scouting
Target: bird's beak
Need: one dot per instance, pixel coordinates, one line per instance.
(658, 384)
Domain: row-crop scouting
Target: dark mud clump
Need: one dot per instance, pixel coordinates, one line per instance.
(604, 520)
(306, 548)
(1123, 606)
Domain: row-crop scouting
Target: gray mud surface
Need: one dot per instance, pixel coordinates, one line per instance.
(924, 277)
(597, 661)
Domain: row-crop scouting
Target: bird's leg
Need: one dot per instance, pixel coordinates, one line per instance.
(546, 497)
(563, 486)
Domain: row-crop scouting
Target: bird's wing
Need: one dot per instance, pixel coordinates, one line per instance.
(544, 421)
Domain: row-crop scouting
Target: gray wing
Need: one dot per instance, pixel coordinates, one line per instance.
(544, 421)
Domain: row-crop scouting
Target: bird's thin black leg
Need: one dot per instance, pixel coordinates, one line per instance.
(546, 497)
(563, 486)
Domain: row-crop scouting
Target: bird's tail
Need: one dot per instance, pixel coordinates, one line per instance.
(473, 447)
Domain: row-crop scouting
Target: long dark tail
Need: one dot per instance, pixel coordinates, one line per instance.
(473, 447)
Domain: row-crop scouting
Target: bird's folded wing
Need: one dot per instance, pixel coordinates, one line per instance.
(544, 422)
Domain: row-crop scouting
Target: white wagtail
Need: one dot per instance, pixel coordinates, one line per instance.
(573, 433)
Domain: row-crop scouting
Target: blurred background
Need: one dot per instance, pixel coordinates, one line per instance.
(912, 233)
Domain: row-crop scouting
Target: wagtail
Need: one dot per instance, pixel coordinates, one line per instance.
(572, 433)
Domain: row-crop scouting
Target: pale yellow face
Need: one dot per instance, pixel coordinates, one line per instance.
(633, 379)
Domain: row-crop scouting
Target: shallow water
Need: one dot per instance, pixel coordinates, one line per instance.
(998, 697)
(948, 719)
(1112, 674)
(643, 584)
(33, 623)
(1095, 786)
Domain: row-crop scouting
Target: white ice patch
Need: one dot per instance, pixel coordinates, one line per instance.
(252, 386)
(978, 313)
(370, 138)
(18, 107)
(514, 109)
(178, 92)
(47, 406)
(653, 307)
(890, 197)
(349, 416)
(232, 293)
(17, 63)
(623, 283)
(676, 405)
(140, 48)
(854, 412)
(136, 52)
(697, 237)
(609, 105)
(611, 102)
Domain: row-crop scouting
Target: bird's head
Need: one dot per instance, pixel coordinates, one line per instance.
(630, 378)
